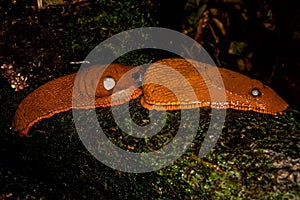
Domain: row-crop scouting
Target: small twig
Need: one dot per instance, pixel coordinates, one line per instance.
(201, 24)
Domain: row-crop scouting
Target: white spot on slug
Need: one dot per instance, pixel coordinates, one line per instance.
(109, 83)
(255, 92)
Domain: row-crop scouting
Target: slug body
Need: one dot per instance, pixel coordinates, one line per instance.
(241, 92)
(56, 96)
(193, 82)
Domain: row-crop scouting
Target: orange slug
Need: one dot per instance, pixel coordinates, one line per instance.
(113, 88)
(242, 92)
(56, 96)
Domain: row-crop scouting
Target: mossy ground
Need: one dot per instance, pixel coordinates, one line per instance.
(256, 156)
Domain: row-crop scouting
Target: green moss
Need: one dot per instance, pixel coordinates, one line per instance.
(239, 167)
(102, 20)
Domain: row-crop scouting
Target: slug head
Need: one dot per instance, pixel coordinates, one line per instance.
(244, 93)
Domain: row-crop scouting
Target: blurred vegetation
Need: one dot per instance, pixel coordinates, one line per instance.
(256, 157)
(263, 30)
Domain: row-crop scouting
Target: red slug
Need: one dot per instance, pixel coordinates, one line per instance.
(193, 89)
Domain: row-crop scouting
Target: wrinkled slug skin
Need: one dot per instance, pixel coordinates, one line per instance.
(237, 88)
(193, 89)
(56, 95)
